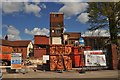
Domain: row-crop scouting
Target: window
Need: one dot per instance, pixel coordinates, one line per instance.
(21, 50)
(66, 42)
(72, 42)
(31, 50)
(56, 24)
(59, 25)
(14, 50)
(58, 31)
(17, 49)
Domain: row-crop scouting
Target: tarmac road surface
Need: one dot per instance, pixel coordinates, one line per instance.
(67, 74)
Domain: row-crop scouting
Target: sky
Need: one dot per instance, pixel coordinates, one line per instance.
(23, 20)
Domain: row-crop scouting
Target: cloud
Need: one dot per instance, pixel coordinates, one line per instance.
(37, 31)
(13, 33)
(83, 17)
(0, 36)
(14, 7)
(59, 0)
(71, 0)
(65, 29)
(73, 8)
(14, 0)
(98, 32)
(0, 6)
(11, 7)
(4, 26)
(12, 30)
(43, 6)
(32, 8)
(100, 0)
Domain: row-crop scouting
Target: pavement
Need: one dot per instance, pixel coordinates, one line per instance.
(65, 74)
(30, 74)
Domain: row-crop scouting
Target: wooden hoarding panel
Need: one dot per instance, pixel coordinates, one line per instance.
(60, 58)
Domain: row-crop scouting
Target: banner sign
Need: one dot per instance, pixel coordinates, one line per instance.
(95, 60)
(45, 57)
(93, 52)
(16, 59)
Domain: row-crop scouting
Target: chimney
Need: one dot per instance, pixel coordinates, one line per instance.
(6, 37)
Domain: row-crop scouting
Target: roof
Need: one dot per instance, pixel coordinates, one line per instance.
(41, 36)
(56, 12)
(96, 37)
(73, 34)
(20, 43)
(5, 42)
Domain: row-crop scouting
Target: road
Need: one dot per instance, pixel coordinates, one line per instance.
(70, 74)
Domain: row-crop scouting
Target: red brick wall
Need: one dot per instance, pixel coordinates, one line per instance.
(38, 53)
(53, 19)
(41, 40)
(56, 23)
(7, 49)
(24, 53)
(22, 50)
(5, 52)
(87, 47)
(114, 56)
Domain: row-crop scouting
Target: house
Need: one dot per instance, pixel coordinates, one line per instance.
(98, 42)
(41, 43)
(23, 46)
(5, 46)
(71, 37)
(5, 51)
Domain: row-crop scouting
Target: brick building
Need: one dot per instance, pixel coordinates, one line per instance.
(23, 46)
(57, 35)
(41, 43)
(98, 42)
(5, 51)
(71, 37)
(5, 46)
(56, 27)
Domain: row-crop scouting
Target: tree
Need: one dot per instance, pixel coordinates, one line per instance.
(105, 14)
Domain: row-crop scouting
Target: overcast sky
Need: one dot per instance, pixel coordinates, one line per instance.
(23, 20)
